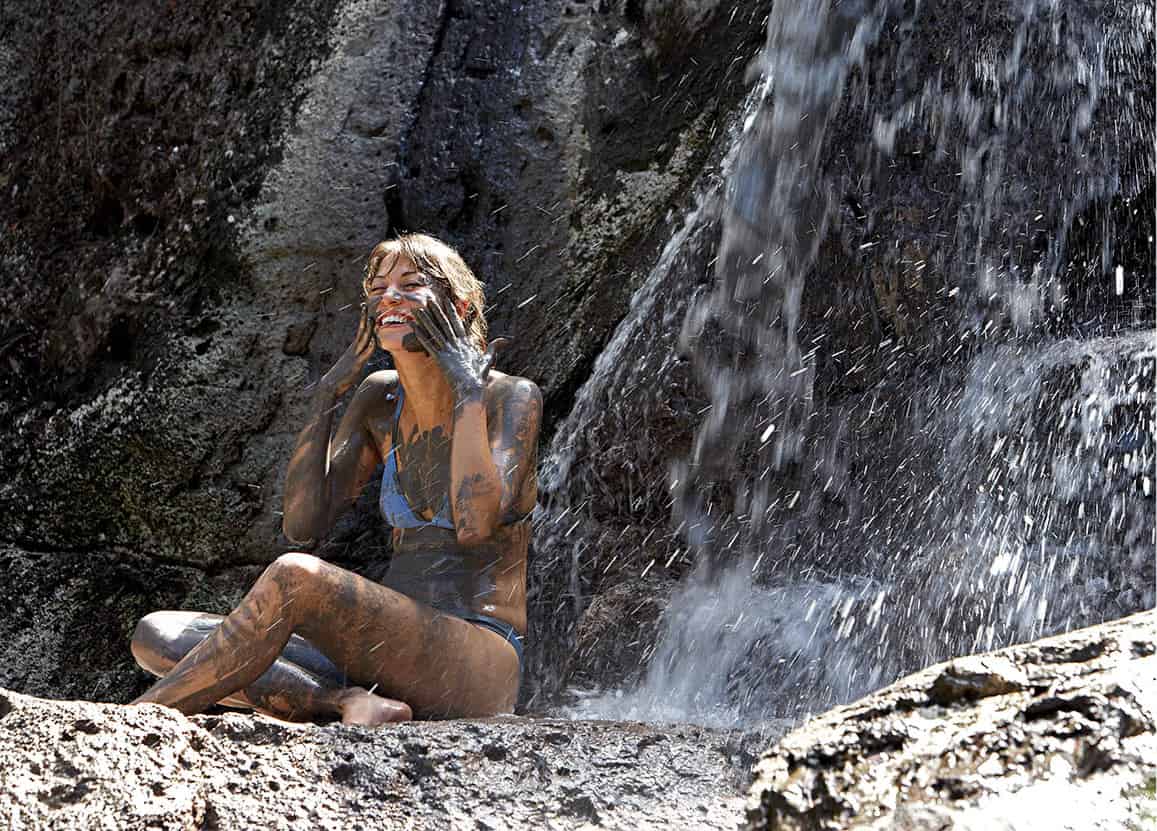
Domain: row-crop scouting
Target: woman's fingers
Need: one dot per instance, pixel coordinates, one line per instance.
(492, 353)
(438, 316)
(456, 324)
(424, 323)
(425, 341)
(367, 322)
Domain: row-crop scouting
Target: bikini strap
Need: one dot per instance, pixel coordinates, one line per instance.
(401, 397)
(443, 518)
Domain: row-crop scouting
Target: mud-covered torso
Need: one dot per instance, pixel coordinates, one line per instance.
(430, 565)
(421, 471)
(428, 562)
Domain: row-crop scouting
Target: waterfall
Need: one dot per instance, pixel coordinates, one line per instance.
(1028, 510)
(962, 461)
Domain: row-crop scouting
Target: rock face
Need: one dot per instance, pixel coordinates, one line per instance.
(189, 195)
(1063, 728)
(73, 765)
(153, 399)
(189, 190)
(67, 614)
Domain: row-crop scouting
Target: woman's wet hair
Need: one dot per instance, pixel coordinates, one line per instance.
(442, 264)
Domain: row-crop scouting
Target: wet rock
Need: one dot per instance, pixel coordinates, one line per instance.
(149, 766)
(996, 740)
(617, 634)
(976, 677)
(550, 146)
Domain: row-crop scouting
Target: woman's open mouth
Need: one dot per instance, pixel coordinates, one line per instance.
(393, 319)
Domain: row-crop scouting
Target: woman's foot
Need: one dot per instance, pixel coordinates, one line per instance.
(359, 706)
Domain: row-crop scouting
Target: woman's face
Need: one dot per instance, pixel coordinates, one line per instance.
(398, 289)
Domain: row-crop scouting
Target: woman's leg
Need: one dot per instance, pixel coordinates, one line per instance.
(438, 664)
(301, 685)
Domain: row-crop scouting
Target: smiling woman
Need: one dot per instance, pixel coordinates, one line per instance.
(442, 636)
(425, 260)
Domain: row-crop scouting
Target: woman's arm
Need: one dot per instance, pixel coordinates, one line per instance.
(494, 448)
(324, 477)
(488, 461)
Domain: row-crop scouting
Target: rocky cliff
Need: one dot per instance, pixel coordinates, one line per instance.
(190, 193)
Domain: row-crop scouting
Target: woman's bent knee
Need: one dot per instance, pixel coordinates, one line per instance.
(291, 581)
(294, 568)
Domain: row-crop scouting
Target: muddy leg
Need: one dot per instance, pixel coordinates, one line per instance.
(301, 685)
(441, 665)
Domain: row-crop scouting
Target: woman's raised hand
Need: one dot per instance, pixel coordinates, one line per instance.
(443, 336)
(348, 369)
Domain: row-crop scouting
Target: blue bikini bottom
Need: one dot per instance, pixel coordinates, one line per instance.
(502, 629)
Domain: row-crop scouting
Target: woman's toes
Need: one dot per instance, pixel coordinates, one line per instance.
(368, 710)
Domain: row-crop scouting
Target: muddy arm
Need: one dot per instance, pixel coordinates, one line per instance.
(325, 477)
(495, 447)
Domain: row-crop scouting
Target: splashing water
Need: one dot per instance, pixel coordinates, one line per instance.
(1037, 517)
(860, 501)
(728, 646)
(757, 379)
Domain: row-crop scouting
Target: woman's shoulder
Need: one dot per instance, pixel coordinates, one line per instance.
(511, 396)
(378, 389)
(507, 387)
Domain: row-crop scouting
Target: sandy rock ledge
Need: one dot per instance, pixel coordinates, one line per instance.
(1058, 734)
(76, 765)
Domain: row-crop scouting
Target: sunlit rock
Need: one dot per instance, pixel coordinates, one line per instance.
(75, 765)
(1061, 731)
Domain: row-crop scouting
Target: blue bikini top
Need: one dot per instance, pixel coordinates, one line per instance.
(395, 507)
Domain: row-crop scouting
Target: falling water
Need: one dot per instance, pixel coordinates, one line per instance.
(1027, 509)
(755, 374)
(984, 481)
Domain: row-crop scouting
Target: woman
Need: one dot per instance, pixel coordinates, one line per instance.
(442, 636)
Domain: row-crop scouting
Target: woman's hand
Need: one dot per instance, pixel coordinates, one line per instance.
(444, 337)
(348, 369)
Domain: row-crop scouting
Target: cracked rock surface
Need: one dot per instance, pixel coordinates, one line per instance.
(1064, 728)
(79, 765)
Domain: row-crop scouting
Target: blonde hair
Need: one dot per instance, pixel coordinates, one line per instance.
(442, 264)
